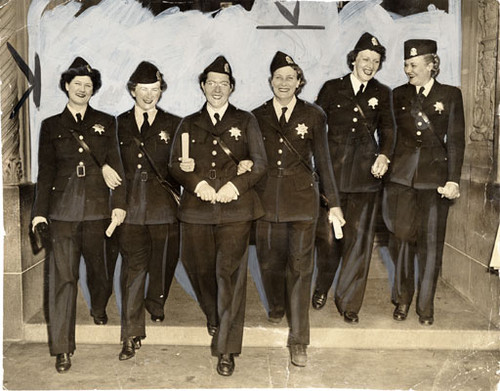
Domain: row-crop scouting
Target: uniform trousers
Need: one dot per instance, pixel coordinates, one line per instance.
(215, 257)
(71, 240)
(286, 258)
(417, 222)
(355, 249)
(152, 249)
(327, 258)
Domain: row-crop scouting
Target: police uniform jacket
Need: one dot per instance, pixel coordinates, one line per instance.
(355, 142)
(427, 156)
(62, 192)
(148, 202)
(289, 191)
(240, 132)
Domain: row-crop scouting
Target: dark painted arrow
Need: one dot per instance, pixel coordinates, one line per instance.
(34, 80)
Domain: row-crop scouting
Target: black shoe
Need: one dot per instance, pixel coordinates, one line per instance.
(137, 342)
(319, 300)
(275, 320)
(298, 355)
(99, 320)
(63, 362)
(351, 317)
(212, 329)
(225, 365)
(157, 318)
(401, 312)
(128, 349)
(426, 320)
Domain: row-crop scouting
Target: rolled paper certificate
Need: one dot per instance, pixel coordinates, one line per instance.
(185, 146)
(111, 228)
(337, 228)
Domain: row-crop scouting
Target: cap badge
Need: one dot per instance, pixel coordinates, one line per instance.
(89, 69)
(158, 77)
(413, 52)
(374, 41)
(226, 67)
(289, 60)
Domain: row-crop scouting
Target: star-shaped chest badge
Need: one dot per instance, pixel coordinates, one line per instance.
(235, 132)
(301, 130)
(439, 107)
(98, 128)
(164, 136)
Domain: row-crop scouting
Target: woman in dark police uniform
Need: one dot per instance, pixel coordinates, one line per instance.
(294, 134)
(361, 134)
(149, 237)
(218, 156)
(78, 164)
(424, 177)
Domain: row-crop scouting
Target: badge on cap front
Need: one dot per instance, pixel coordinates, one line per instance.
(226, 67)
(288, 60)
(413, 52)
(374, 41)
(158, 77)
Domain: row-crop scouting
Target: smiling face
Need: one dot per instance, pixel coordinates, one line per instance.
(418, 70)
(366, 65)
(147, 95)
(80, 90)
(285, 82)
(217, 89)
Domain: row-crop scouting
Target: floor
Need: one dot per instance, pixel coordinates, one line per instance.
(29, 367)
(461, 351)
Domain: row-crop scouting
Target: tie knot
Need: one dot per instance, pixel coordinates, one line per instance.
(421, 90)
(78, 117)
(217, 117)
(283, 110)
(361, 88)
(146, 116)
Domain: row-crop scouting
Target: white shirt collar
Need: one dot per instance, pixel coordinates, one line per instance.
(75, 112)
(212, 111)
(356, 83)
(427, 87)
(290, 106)
(139, 115)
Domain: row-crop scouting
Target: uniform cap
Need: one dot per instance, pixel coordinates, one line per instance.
(419, 47)
(146, 73)
(369, 42)
(219, 65)
(280, 60)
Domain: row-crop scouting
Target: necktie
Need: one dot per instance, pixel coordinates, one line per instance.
(145, 124)
(421, 95)
(283, 118)
(217, 118)
(78, 118)
(360, 91)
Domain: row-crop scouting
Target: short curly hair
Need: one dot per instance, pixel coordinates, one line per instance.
(71, 73)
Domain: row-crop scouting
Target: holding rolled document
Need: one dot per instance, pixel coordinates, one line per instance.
(111, 228)
(187, 164)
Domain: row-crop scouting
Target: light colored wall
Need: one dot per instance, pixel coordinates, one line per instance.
(473, 220)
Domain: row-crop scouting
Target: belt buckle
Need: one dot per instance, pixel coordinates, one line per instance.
(80, 170)
(212, 174)
(144, 176)
(280, 171)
